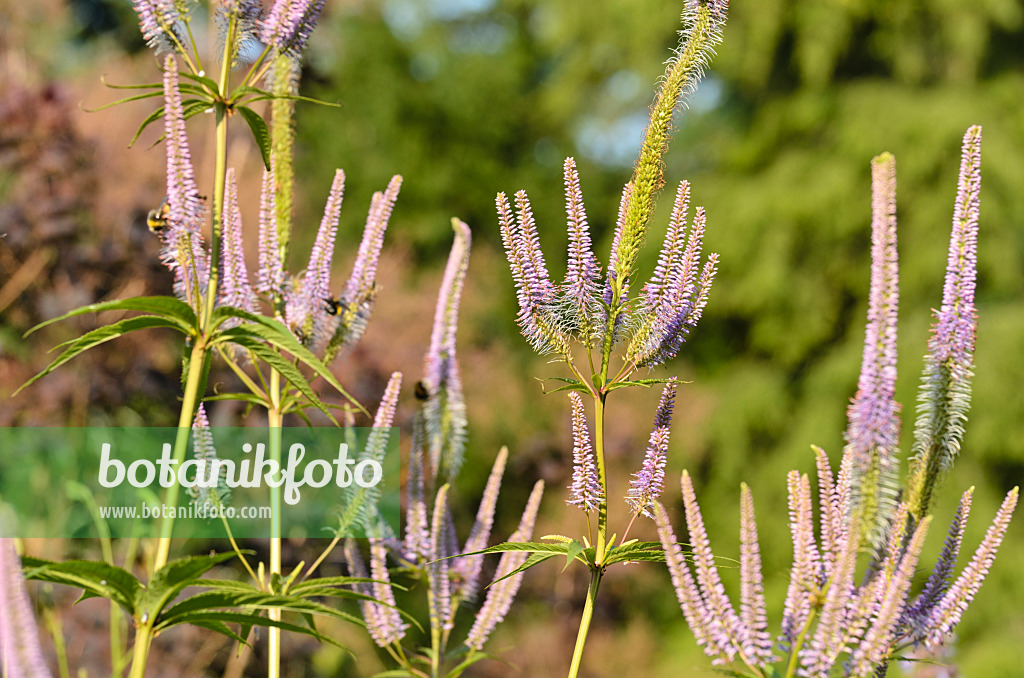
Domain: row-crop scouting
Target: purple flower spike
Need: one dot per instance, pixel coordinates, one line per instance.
(944, 397)
(360, 284)
(805, 576)
(582, 273)
(183, 251)
(954, 334)
(942, 574)
(695, 610)
(289, 24)
(725, 624)
(585, 491)
(445, 408)
(468, 567)
(211, 487)
(947, 613)
(501, 594)
(270, 280)
(648, 483)
(235, 289)
(20, 652)
(755, 640)
(389, 627)
(534, 289)
(874, 426)
(440, 586)
(417, 533)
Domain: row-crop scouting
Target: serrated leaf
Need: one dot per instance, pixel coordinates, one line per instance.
(636, 550)
(258, 127)
(530, 546)
(643, 382)
(146, 122)
(534, 559)
(169, 580)
(209, 84)
(279, 336)
(575, 549)
(167, 307)
(99, 336)
(275, 360)
(96, 579)
(134, 97)
(233, 599)
(248, 620)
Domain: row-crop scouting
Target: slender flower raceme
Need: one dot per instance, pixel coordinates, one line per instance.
(417, 531)
(467, 568)
(947, 614)
(440, 584)
(157, 21)
(209, 489)
(20, 652)
(501, 593)
(874, 426)
(183, 249)
(445, 407)
(270, 278)
(307, 309)
(355, 303)
(582, 272)
(649, 481)
(585, 491)
(235, 289)
(945, 393)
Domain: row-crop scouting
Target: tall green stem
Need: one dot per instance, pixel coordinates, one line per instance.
(274, 418)
(602, 477)
(588, 614)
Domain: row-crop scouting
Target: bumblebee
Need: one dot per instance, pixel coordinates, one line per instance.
(157, 219)
(333, 306)
(420, 390)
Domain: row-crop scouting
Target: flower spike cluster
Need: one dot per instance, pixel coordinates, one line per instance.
(838, 621)
(158, 21)
(830, 612)
(235, 289)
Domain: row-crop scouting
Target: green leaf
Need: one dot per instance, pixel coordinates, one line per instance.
(289, 371)
(222, 628)
(575, 549)
(208, 84)
(96, 579)
(146, 122)
(534, 559)
(148, 85)
(260, 133)
(643, 382)
(99, 336)
(193, 107)
(248, 620)
(393, 673)
(279, 336)
(134, 97)
(636, 550)
(170, 579)
(531, 546)
(263, 601)
(164, 306)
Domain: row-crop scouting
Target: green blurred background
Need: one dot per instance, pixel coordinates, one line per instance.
(465, 98)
